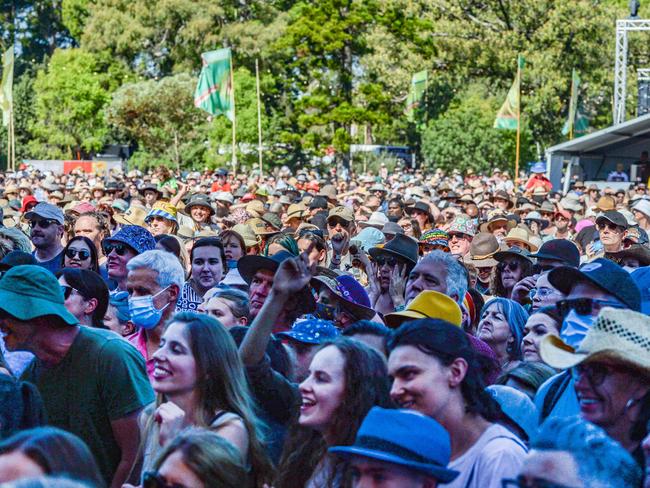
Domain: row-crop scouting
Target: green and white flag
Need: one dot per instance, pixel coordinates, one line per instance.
(508, 116)
(214, 92)
(6, 87)
(416, 93)
(577, 123)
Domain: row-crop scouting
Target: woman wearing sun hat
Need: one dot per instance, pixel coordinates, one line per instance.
(161, 219)
(611, 370)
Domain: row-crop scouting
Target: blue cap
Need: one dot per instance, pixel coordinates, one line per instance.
(603, 273)
(641, 277)
(311, 331)
(539, 167)
(405, 438)
(136, 237)
(517, 406)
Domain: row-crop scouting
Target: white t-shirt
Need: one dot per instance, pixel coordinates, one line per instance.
(497, 454)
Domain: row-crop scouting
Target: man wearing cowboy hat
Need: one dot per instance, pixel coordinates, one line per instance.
(611, 374)
(595, 285)
(398, 449)
(497, 224)
(481, 256)
(296, 214)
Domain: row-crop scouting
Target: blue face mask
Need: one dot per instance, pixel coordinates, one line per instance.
(575, 328)
(144, 313)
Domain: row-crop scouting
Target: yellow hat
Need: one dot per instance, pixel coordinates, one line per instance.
(162, 209)
(428, 304)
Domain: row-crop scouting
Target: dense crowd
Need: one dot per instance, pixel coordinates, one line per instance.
(402, 329)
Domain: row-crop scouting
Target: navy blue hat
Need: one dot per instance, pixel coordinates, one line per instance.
(405, 438)
(603, 273)
(248, 265)
(561, 250)
(641, 277)
(136, 237)
(311, 331)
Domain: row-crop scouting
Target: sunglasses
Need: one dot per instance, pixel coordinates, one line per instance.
(521, 482)
(539, 268)
(609, 225)
(82, 253)
(316, 232)
(43, 223)
(334, 222)
(67, 291)
(389, 260)
(151, 479)
(585, 306)
(596, 373)
(512, 266)
(119, 248)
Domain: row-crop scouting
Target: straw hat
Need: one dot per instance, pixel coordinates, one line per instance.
(496, 216)
(519, 236)
(255, 208)
(260, 227)
(618, 334)
(297, 210)
(135, 215)
(605, 203)
(247, 233)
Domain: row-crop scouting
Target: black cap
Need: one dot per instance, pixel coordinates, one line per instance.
(561, 250)
(603, 273)
(614, 217)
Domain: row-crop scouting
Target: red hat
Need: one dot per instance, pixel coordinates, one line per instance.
(27, 200)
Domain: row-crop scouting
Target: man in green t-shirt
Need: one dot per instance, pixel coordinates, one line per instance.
(93, 383)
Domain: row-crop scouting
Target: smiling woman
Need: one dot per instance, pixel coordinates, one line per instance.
(346, 379)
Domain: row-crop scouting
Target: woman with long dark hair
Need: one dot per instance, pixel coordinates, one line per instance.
(200, 381)
(47, 451)
(86, 295)
(208, 267)
(81, 253)
(346, 379)
(437, 373)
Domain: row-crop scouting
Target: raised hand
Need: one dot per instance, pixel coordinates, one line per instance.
(374, 288)
(293, 275)
(521, 290)
(171, 419)
(397, 285)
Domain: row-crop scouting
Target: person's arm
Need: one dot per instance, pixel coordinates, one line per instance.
(184, 188)
(292, 276)
(127, 436)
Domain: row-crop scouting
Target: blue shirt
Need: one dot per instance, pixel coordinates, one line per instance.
(54, 265)
(567, 404)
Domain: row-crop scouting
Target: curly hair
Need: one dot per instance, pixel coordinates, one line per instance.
(366, 385)
(496, 285)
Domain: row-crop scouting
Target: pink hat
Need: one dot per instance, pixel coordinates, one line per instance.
(84, 207)
(584, 223)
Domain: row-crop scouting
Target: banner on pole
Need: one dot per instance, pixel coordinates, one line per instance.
(6, 86)
(577, 124)
(416, 93)
(508, 116)
(214, 91)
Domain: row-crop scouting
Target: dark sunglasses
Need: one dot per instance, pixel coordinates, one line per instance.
(512, 266)
(83, 254)
(389, 260)
(316, 232)
(67, 291)
(151, 479)
(43, 223)
(521, 482)
(584, 306)
(609, 225)
(595, 373)
(343, 223)
(119, 248)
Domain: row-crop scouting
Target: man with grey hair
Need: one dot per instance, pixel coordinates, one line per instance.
(154, 282)
(437, 271)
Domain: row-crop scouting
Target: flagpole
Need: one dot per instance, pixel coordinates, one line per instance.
(518, 121)
(9, 145)
(259, 114)
(234, 118)
(572, 121)
(13, 140)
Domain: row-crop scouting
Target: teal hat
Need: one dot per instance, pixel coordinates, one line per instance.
(31, 291)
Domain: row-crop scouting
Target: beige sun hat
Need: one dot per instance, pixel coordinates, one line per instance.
(247, 233)
(519, 237)
(618, 334)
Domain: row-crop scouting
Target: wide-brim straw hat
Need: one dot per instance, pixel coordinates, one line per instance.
(519, 237)
(135, 215)
(621, 335)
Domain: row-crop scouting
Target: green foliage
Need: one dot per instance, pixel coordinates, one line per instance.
(70, 97)
(463, 137)
(161, 118)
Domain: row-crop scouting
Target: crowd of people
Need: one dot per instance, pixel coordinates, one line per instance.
(408, 329)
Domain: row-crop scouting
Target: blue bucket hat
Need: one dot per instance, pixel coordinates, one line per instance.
(539, 167)
(603, 273)
(405, 438)
(311, 331)
(137, 238)
(517, 406)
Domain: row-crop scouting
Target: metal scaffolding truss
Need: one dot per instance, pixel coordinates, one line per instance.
(620, 76)
(643, 74)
